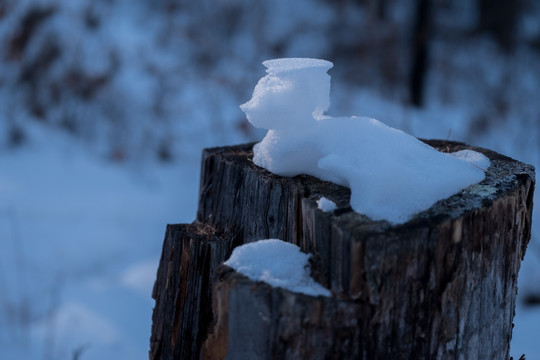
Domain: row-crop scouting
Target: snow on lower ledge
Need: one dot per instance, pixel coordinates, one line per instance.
(277, 263)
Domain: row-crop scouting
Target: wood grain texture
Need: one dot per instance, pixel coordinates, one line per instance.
(183, 311)
(442, 285)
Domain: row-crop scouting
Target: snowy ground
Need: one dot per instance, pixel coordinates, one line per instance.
(81, 241)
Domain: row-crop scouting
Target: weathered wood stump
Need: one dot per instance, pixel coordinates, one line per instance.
(442, 285)
(257, 321)
(183, 312)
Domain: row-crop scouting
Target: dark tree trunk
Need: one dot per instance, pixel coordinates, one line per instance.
(378, 8)
(420, 52)
(442, 285)
(500, 19)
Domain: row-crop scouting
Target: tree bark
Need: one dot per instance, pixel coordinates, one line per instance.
(257, 321)
(183, 311)
(442, 285)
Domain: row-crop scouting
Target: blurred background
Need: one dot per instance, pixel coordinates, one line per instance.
(105, 107)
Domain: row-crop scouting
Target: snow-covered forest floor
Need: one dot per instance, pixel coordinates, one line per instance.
(106, 106)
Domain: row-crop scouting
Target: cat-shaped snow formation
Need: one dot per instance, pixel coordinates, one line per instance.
(392, 175)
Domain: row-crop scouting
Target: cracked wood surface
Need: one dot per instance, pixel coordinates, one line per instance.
(442, 285)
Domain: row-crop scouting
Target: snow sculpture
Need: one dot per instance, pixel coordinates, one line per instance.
(392, 175)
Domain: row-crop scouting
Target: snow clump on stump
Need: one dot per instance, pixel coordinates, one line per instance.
(392, 175)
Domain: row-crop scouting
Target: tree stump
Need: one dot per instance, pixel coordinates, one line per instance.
(442, 285)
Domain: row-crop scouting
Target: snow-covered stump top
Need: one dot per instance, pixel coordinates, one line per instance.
(392, 175)
(440, 286)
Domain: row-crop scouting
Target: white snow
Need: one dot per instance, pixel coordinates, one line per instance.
(473, 157)
(392, 175)
(292, 87)
(278, 263)
(81, 239)
(326, 205)
(141, 276)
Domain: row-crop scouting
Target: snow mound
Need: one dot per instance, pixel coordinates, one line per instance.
(392, 175)
(326, 205)
(278, 263)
